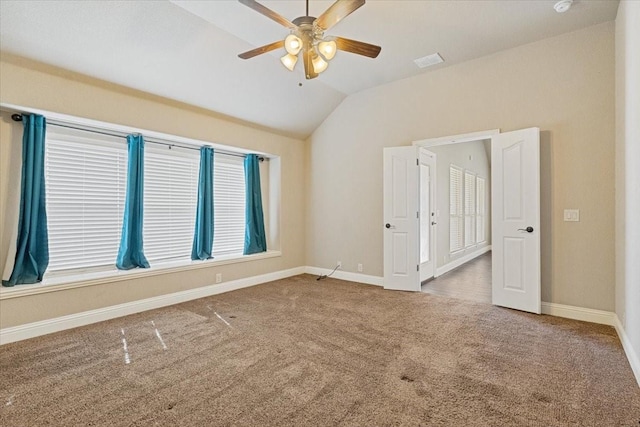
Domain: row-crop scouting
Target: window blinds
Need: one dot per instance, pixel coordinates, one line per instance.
(229, 201)
(85, 176)
(170, 195)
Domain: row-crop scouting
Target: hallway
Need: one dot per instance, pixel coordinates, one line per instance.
(470, 281)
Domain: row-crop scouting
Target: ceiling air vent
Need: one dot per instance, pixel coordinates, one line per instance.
(429, 60)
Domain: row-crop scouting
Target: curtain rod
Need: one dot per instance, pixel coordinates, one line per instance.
(18, 118)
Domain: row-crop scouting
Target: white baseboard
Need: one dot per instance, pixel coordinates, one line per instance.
(579, 313)
(30, 330)
(462, 260)
(632, 356)
(346, 275)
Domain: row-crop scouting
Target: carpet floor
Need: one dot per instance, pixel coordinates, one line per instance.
(298, 352)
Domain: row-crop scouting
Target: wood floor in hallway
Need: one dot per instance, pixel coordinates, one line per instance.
(470, 281)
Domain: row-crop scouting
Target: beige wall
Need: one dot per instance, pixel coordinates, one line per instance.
(472, 157)
(628, 172)
(34, 85)
(564, 85)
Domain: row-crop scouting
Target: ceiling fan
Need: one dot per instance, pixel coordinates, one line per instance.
(306, 35)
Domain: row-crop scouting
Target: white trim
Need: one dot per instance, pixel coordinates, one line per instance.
(30, 330)
(462, 260)
(579, 313)
(632, 356)
(601, 317)
(456, 139)
(61, 283)
(345, 275)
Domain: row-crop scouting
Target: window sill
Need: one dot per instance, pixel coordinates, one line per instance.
(60, 283)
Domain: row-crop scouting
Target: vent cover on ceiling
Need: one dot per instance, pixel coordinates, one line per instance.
(429, 60)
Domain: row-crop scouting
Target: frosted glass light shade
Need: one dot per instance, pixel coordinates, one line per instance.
(327, 49)
(289, 61)
(319, 64)
(292, 44)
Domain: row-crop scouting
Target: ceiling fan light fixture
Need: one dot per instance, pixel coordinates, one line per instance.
(327, 49)
(292, 44)
(289, 61)
(319, 64)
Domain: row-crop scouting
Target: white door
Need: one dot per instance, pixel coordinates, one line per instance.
(427, 214)
(515, 198)
(401, 226)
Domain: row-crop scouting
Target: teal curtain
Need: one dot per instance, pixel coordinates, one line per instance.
(203, 234)
(130, 253)
(32, 247)
(254, 236)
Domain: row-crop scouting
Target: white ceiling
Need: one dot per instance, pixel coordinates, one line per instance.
(187, 50)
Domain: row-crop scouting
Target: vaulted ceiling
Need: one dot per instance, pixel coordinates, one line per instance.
(187, 50)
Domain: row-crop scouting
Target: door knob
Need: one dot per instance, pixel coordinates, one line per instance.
(528, 229)
(387, 225)
(433, 223)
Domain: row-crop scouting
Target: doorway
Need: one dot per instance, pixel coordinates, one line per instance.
(515, 223)
(462, 214)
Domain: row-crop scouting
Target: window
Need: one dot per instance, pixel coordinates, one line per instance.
(469, 209)
(228, 204)
(455, 209)
(170, 199)
(85, 179)
(480, 210)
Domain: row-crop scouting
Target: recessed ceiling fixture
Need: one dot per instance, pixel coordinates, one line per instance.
(429, 60)
(307, 37)
(563, 5)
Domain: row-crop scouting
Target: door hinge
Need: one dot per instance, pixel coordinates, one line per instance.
(417, 162)
(418, 267)
(418, 215)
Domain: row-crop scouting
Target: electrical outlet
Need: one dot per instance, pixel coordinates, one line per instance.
(360, 268)
(339, 264)
(218, 277)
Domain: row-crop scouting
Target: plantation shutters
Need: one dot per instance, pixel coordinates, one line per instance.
(456, 218)
(469, 209)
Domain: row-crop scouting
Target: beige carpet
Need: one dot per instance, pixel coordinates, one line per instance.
(299, 352)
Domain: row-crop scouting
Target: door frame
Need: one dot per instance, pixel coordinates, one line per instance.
(433, 230)
(447, 140)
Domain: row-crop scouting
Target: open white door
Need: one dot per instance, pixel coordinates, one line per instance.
(427, 214)
(515, 198)
(401, 226)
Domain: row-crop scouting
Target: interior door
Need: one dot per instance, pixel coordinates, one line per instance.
(427, 214)
(401, 226)
(515, 198)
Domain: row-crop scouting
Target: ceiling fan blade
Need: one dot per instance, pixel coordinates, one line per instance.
(262, 49)
(336, 12)
(309, 72)
(360, 48)
(269, 13)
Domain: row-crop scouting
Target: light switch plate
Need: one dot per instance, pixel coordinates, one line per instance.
(572, 215)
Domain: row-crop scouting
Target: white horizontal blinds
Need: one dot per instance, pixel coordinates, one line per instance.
(480, 210)
(229, 191)
(455, 209)
(85, 175)
(170, 200)
(469, 209)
